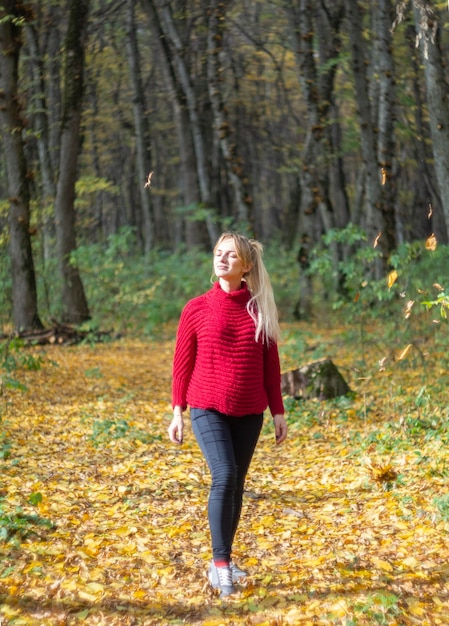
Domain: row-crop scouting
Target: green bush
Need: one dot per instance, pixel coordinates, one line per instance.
(130, 292)
(417, 278)
(138, 293)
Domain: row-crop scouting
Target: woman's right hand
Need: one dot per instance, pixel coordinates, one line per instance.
(176, 428)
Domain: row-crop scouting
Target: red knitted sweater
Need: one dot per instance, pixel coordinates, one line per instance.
(217, 362)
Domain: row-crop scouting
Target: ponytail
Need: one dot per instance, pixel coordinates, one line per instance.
(261, 306)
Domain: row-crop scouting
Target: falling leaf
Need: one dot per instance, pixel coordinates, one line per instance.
(148, 181)
(429, 212)
(431, 242)
(383, 175)
(408, 309)
(376, 241)
(438, 286)
(404, 352)
(392, 278)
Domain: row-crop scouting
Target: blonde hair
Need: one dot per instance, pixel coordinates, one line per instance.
(261, 306)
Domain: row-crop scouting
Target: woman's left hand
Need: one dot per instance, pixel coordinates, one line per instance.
(280, 428)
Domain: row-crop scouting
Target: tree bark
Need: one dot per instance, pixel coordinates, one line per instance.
(24, 294)
(311, 23)
(74, 303)
(141, 128)
(41, 128)
(428, 34)
(384, 68)
(422, 223)
(374, 205)
(175, 50)
(222, 126)
(320, 379)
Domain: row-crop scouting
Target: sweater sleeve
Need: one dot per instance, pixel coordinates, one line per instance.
(272, 379)
(184, 357)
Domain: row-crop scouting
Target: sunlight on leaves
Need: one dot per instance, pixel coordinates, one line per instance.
(103, 521)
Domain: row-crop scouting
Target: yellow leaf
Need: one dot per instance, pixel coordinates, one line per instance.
(95, 587)
(404, 352)
(339, 608)
(417, 609)
(381, 564)
(392, 278)
(89, 597)
(124, 531)
(431, 242)
(410, 562)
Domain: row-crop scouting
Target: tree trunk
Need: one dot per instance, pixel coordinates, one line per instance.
(75, 309)
(41, 128)
(384, 68)
(428, 33)
(374, 214)
(141, 128)
(176, 50)
(422, 223)
(222, 126)
(24, 296)
(311, 24)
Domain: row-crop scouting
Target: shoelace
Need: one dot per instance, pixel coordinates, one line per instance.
(224, 576)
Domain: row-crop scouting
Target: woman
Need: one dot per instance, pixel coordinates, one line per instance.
(226, 368)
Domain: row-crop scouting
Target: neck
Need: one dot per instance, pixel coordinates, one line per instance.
(230, 285)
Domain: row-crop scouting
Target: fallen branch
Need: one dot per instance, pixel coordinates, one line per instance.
(60, 334)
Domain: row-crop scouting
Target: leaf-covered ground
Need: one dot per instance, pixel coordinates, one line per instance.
(104, 519)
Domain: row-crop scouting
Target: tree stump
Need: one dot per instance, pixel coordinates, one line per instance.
(320, 379)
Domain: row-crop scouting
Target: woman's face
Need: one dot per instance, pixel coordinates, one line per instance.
(227, 265)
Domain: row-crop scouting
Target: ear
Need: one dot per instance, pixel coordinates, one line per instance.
(247, 269)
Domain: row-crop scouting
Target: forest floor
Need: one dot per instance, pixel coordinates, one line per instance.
(103, 519)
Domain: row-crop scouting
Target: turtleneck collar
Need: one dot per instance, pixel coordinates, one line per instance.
(243, 294)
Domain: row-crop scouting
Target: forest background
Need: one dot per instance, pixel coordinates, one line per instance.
(132, 134)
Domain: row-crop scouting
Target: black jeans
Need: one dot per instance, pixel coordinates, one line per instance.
(228, 445)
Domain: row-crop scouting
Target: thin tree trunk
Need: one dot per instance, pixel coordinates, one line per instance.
(141, 128)
(375, 206)
(24, 295)
(431, 218)
(310, 24)
(41, 127)
(384, 67)
(428, 33)
(192, 105)
(222, 127)
(75, 309)
(196, 181)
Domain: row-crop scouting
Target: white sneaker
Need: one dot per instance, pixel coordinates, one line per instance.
(221, 578)
(236, 572)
